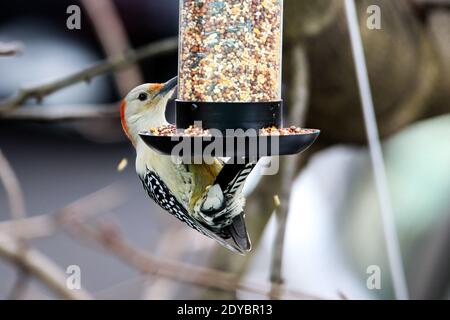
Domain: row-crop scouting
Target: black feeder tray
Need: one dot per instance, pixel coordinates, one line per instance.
(231, 137)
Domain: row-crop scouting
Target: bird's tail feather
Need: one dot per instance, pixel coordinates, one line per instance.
(238, 231)
(229, 182)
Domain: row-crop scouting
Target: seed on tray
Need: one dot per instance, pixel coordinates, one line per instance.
(292, 130)
(164, 130)
(195, 131)
(171, 130)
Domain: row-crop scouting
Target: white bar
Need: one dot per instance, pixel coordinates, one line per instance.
(379, 170)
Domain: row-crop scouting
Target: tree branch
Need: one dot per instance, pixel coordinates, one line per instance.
(112, 64)
(64, 113)
(112, 35)
(33, 262)
(71, 218)
(298, 88)
(13, 191)
(109, 237)
(45, 225)
(10, 49)
(16, 201)
(40, 266)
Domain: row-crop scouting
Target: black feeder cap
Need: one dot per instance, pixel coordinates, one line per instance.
(225, 115)
(234, 116)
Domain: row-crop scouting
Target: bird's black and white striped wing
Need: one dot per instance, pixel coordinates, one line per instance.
(160, 193)
(233, 176)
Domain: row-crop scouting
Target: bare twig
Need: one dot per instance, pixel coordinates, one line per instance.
(176, 242)
(45, 225)
(16, 201)
(118, 289)
(13, 191)
(109, 237)
(64, 113)
(172, 245)
(39, 266)
(112, 64)
(30, 228)
(10, 49)
(113, 37)
(72, 217)
(299, 101)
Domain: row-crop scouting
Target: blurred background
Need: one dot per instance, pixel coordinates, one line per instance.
(60, 148)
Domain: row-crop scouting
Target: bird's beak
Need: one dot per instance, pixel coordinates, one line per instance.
(168, 86)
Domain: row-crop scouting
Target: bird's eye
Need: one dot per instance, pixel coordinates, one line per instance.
(142, 96)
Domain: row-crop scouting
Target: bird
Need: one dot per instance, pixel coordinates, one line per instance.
(208, 196)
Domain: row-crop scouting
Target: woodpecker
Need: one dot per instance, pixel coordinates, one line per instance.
(207, 197)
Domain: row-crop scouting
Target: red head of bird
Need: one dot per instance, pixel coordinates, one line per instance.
(145, 106)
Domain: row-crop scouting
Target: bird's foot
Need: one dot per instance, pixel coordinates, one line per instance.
(214, 200)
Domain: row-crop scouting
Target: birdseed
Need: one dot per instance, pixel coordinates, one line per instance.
(122, 165)
(230, 50)
(194, 131)
(171, 130)
(292, 130)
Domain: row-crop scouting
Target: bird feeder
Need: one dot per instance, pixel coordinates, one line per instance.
(230, 67)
